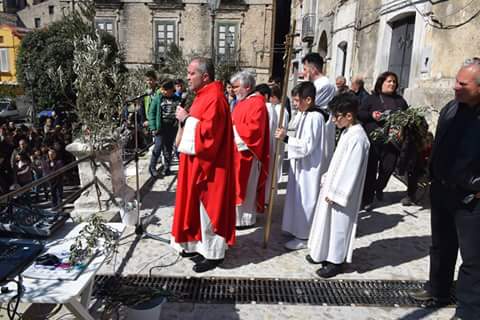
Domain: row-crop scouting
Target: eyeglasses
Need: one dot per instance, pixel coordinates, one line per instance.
(470, 61)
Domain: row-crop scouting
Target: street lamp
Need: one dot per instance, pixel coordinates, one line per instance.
(213, 6)
(29, 76)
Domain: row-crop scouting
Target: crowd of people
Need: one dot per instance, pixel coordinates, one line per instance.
(30, 153)
(335, 170)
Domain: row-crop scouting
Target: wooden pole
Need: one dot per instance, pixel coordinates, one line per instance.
(273, 187)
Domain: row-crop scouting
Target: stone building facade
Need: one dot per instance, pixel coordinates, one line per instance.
(425, 42)
(243, 29)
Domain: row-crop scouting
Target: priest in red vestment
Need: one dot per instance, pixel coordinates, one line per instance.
(251, 134)
(204, 218)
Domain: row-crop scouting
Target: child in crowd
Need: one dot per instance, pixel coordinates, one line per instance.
(305, 150)
(334, 225)
(50, 165)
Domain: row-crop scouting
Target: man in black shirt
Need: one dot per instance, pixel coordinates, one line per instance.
(455, 198)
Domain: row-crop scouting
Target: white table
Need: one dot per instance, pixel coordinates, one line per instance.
(74, 294)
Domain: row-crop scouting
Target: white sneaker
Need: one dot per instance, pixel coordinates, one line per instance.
(296, 244)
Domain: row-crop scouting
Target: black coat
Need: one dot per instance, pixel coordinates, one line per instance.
(382, 103)
(466, 165)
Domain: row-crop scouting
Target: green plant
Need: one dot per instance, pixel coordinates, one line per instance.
(45, 51)
(96, 234)
(397, 123)
(174, 63)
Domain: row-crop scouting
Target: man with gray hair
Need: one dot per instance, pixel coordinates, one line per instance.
(358, 88)
(204, 217)
(341, 84)
(251, 155)
(455, 198)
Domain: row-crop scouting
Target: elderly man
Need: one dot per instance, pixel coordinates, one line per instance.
(251, 132)
(455, 198)
(358, 88)
(204, 217)
(325, 91)
(341, 84)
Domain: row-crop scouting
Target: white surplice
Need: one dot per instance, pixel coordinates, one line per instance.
(246, 213)
(324, 93)
(306, 154)
(273, 122)
(334, 226)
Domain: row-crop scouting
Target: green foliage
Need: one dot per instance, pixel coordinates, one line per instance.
(396, 123)
(44, 52)
(101, 86)
(175, 63)
(96, 234)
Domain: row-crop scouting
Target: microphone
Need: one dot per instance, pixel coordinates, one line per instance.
(147, 93)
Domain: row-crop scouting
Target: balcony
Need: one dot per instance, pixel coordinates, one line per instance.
(308, 27)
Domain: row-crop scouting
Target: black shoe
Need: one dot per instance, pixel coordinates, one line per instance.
(368, 207)
(310, 260)
(407, 201)
(245, 227)
(167, 172)
(153, 173)
(197, 259)
(185, 254)
(379, 195)
(330, 270)
(425, 296)
(206, 265)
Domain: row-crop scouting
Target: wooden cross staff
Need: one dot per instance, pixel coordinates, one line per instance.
(273, 187)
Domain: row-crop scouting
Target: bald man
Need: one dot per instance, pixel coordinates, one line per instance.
(455, 198)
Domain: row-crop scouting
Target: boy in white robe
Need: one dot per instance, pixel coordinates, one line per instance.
(334, 224)
(305, 150)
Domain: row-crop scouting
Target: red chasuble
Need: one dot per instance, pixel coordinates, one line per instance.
(250, 118)
(207, 176)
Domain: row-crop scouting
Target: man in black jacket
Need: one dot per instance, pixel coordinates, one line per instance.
(455, 198)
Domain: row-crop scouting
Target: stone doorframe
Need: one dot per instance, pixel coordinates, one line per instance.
(385, 38)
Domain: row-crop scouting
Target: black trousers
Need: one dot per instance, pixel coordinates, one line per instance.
(382, 159)
(455, 226)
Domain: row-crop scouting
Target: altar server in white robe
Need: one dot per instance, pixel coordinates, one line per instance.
(306, 155)
(274, 107)
(325, 91)
(334, 224)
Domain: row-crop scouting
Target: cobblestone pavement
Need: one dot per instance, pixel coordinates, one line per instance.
(392, 243)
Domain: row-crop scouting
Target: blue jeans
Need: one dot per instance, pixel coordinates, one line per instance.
(157, 150)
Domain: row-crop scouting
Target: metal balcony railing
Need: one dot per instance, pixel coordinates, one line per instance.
(308, 27)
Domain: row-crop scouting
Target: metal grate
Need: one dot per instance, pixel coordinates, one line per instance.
(384, 293)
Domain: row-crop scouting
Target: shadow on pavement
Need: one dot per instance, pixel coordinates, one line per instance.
(249, 246)
(389, 252)
(375, 222)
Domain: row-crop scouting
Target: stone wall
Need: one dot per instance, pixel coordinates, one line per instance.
(437, 53)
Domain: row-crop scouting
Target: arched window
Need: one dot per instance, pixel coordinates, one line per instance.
(341, 58)
(323, 45)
